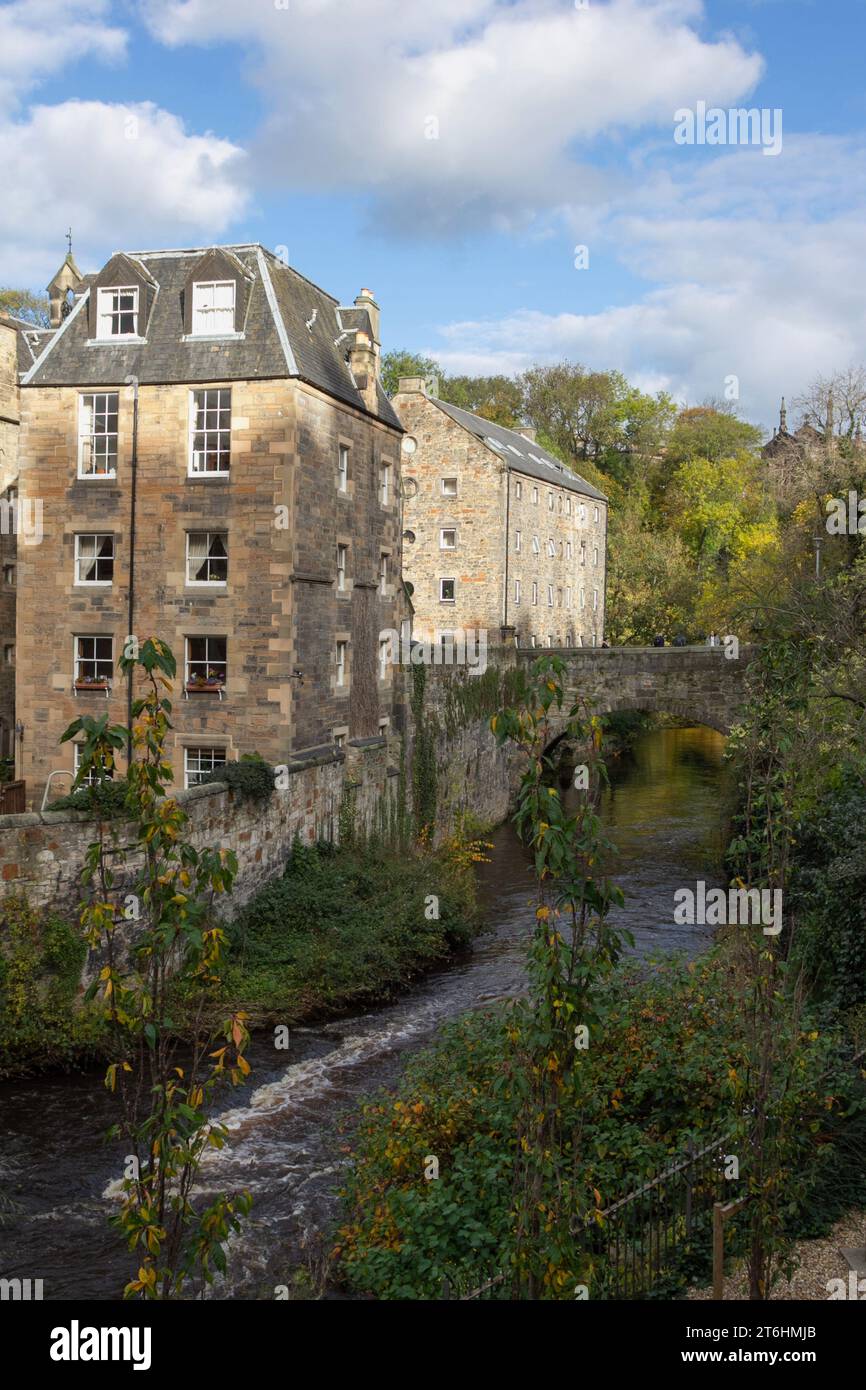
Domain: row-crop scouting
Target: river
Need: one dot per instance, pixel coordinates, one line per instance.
(662, 812)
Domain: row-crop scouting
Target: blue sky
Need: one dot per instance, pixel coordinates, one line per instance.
(307, 124)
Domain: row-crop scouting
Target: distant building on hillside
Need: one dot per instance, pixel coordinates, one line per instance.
(497, 532)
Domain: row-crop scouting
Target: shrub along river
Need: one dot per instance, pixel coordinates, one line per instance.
(662, 811)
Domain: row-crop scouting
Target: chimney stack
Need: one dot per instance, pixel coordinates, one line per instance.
(529, 432)
(364, 368)
(366, 301)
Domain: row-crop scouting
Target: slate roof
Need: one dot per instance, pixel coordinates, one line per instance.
(519, 453)
(276, 341)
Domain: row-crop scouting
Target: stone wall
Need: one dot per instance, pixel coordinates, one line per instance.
(278, 611)
(553, 593)
(41, 855)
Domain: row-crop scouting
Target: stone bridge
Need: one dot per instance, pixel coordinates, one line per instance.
(700, 684)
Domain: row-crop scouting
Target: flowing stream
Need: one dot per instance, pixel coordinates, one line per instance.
(661, 811)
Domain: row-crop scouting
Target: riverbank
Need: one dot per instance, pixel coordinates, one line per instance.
(341, 928)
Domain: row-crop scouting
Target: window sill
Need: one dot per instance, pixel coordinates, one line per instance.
(96, 478)
(212, 337)
(93, 584)
(212, 477)
(200, 584)
(127, 339)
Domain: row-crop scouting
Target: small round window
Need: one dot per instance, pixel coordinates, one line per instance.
(410, 487)
(410, 444)
(409, 537)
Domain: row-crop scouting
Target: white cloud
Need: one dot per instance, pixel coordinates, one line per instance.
(38, 37)
(119, 175)
(750, 283)
(519, 91)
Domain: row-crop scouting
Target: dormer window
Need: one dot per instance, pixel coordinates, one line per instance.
(117, 312)
(213, 308)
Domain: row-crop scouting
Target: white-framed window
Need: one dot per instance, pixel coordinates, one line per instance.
(595, 514)
(449, 487)
(117, 312)
(550, 501)
(383, 574)
(583, 511)
(583, 552)
(447, 591)
(206, 662)
(568, 599)
(583, 598)
(342, 560)
(517, 541)
(385, 484)
(340, 656)
(595, 555)
(94, 659)
(93, 776)
(343, 468)
(517, 591)
(568, 550)
(550, 595)
(384, 657)
(9, 654)
(518, 490)
(97, 435)
(340, 738)
(535, 591)
(94, 558)
(210, 431)
(535, 495)
(198, 763)
(213, 307)
(595, 600)
(9, 576)
(207, 557)
(532, 640)
(448, 538)
(551, 548)
(568, 506)
(536, 548)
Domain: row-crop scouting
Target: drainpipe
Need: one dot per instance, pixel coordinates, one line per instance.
(133, 382)
(507, 533)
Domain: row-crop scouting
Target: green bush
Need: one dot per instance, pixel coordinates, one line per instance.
(104, 800)
(42, 1019)
(250, 776)
(829, 892)
(659, 1076)
(345, 925)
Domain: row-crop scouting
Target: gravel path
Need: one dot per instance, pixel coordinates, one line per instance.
(817, 1262)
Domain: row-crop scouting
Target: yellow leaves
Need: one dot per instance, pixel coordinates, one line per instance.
(597, 1195)
(542, 914)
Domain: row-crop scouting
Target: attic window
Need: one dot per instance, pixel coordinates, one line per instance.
(213, 308)
(117, 312)
(494, 444)
(515, 451)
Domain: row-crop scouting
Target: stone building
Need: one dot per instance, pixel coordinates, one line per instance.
(498, 533)
(218, 466)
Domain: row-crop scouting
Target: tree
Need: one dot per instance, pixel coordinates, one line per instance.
(595, 416)
(708, 432)
(162, 951)
(23, 304)
(399, 363)
(495, 398)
